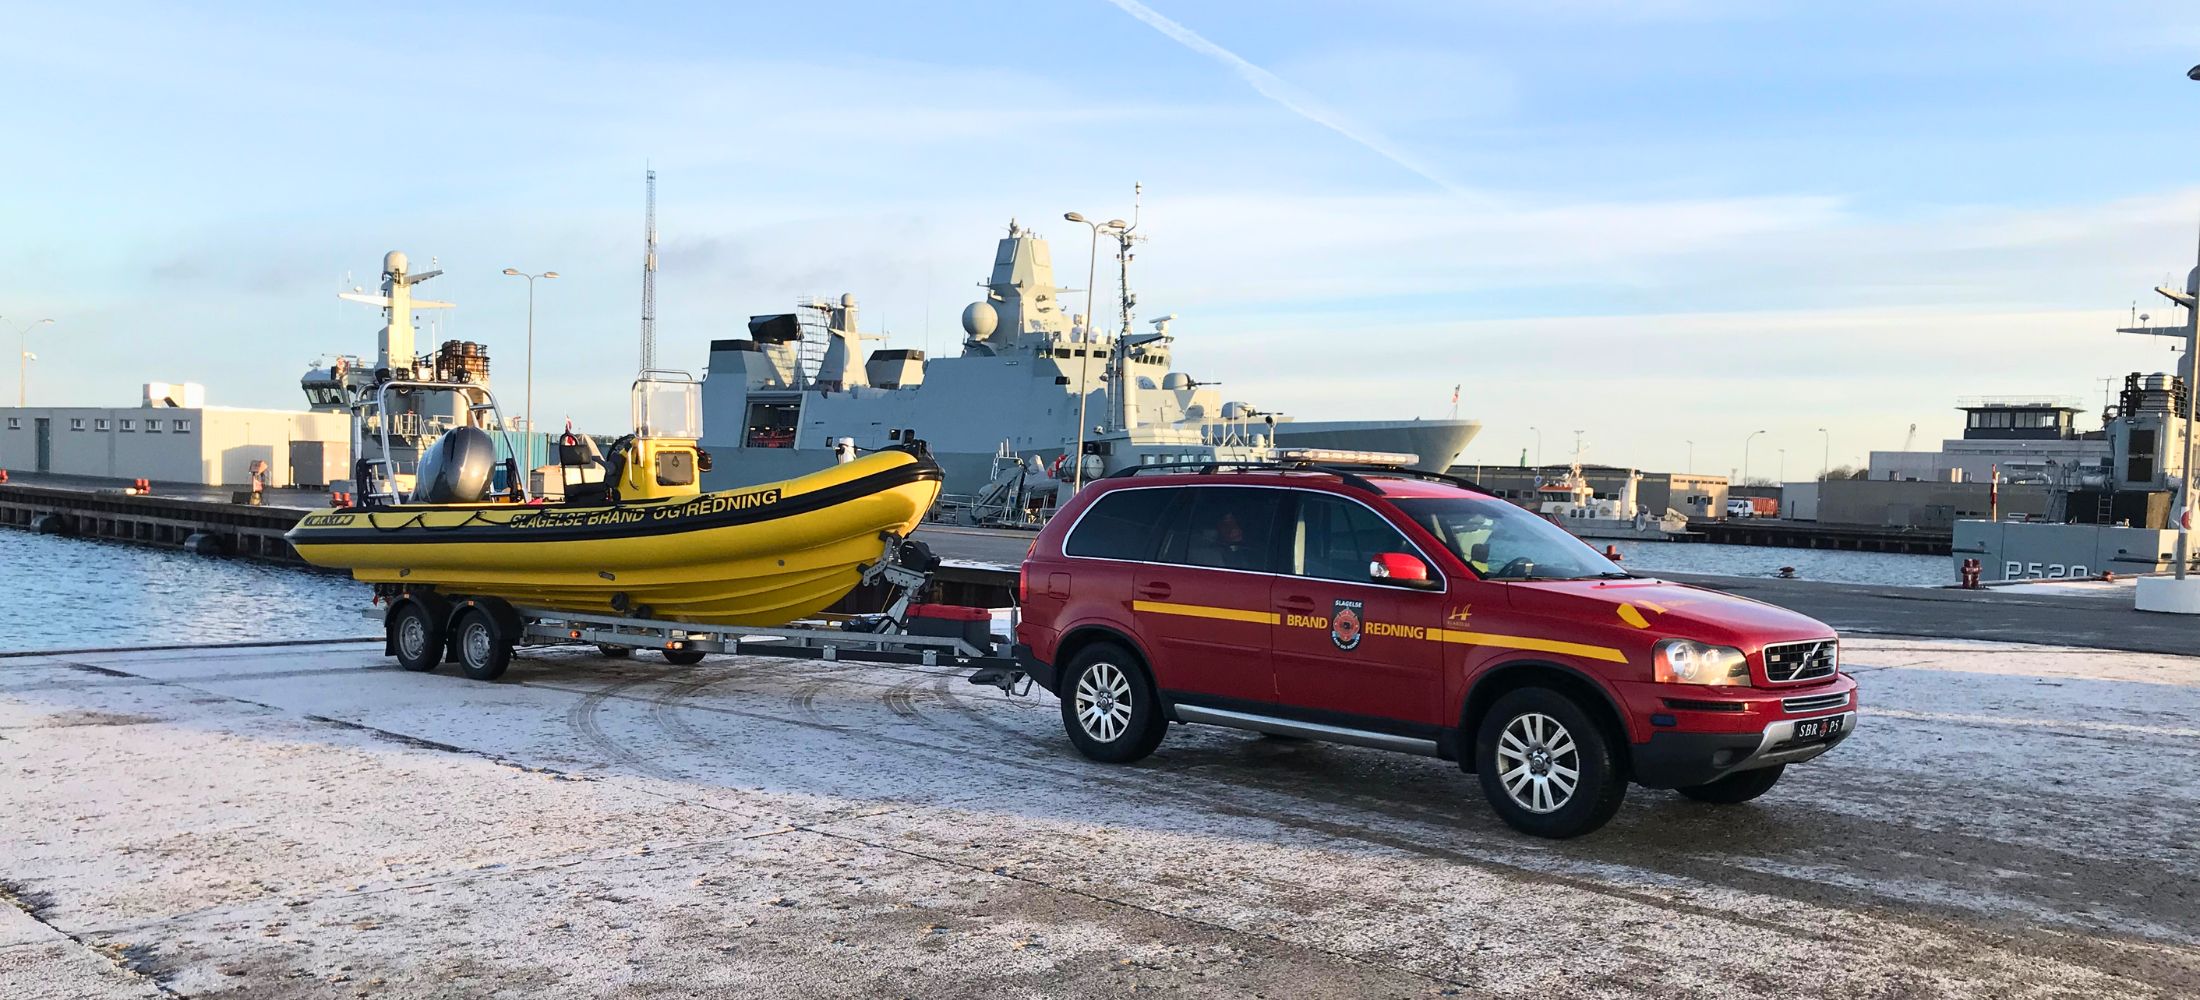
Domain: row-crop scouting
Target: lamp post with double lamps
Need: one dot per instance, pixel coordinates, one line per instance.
(1084, 350)
(517, 273)
(23, 359)
(2180, 594)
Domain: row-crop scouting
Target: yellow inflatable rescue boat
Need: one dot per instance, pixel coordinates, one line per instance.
(637, 538)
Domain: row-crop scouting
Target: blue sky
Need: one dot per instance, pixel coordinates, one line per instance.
(1657, 222)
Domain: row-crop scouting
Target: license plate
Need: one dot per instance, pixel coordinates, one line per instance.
(1818, 729)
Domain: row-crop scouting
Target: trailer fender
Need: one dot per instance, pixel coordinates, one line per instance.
(389, 615)
(506, 617)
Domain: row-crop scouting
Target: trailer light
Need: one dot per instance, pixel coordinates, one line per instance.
(1686, 661)
(575, 634)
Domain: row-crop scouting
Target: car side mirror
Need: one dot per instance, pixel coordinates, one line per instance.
(1402, 569)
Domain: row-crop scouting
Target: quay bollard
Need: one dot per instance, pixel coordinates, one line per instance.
(1971, 572)
(1612, 552)
(3, 475)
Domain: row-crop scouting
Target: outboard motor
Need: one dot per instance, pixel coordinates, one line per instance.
(458, 468)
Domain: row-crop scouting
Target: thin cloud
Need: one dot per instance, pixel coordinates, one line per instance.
(1289, 97)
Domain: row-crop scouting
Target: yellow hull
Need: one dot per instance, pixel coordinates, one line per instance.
(762, 555)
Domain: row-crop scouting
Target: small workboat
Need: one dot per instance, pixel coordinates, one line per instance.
(632, 533)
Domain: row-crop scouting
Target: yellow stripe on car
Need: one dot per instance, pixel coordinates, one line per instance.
(1464, 638)
(1605, 653)
(1204, 611)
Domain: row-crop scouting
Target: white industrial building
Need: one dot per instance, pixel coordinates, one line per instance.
(173, 437)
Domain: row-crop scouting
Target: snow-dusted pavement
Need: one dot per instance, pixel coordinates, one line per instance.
(2009, 821)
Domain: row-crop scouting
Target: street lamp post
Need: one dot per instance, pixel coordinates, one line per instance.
(1745, 455)
(517, 273)
(2192, 408)
(1825, 457)
(1084, 350)
(1538, 447)
(23, 362)
(1783, 473)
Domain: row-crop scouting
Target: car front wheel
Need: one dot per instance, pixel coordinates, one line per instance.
(1545, 765)
(1109, 706)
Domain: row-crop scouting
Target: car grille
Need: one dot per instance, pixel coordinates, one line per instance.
(1814, 702)
(1789, 662)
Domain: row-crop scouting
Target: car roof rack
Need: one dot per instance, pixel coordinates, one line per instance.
(1354, 476)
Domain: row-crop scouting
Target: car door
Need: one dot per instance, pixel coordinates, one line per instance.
(1350, 650)
(1202, 606)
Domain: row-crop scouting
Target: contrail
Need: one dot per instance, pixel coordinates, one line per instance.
(1275, 89)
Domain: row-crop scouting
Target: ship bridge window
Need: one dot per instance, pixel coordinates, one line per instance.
(101, 424)
(771, 425)
(15, 423)
(128, 424)
(76, 423)
(180, 426)
(152, 425)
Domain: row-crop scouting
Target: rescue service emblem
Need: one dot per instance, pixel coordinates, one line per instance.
(1344, 624)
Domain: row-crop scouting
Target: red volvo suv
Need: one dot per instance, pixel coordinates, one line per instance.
(1417, 613)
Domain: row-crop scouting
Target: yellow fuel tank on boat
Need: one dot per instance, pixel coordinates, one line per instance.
(760, 555)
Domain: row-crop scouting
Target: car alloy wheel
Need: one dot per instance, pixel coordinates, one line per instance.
(1104, 702)
(1538, 763)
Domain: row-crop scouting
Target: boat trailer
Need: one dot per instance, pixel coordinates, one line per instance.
(480, 633)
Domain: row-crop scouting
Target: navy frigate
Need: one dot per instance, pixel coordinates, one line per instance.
(799, 391)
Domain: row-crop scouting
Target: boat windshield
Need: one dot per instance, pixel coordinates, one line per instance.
(668, 409)
(1504, 542)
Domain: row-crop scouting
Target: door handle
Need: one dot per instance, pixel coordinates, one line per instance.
(1157, 591)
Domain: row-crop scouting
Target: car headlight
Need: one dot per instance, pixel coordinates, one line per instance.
(1686, 661)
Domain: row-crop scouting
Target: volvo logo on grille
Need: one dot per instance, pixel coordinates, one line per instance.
(1799, 660)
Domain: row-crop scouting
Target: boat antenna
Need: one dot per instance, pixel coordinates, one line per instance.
(649, 271)
(1119, 377)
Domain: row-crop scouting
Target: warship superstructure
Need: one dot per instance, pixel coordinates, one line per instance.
(2117, 514)
(794, 394)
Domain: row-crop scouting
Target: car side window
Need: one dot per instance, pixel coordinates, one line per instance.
(1335, 539)
(1120, 525)
(1225, 527)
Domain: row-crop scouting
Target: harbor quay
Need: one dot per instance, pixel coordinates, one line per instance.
(307, 820)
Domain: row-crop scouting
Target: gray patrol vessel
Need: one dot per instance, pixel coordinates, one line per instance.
(799, 390)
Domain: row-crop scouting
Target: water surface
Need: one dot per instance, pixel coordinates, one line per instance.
(79, 593)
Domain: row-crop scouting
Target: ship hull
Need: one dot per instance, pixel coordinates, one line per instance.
(1437, 442)
(968, 472)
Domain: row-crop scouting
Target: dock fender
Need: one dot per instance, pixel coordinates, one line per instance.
(1495, 681)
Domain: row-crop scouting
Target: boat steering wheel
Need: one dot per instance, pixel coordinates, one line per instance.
(1519, 566)
(614, 467)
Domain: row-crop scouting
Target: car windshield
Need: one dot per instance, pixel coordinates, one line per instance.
(1504, 542)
